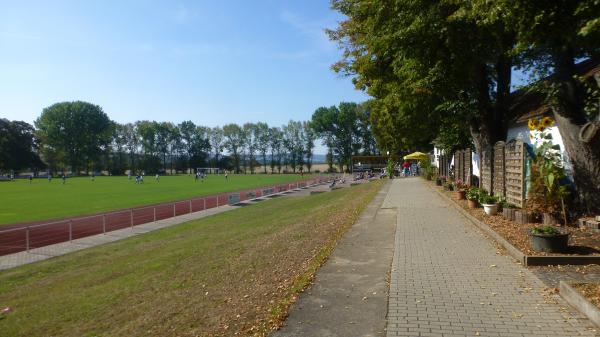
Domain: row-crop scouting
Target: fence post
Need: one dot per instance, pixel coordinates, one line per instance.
(190, 205)
(217, 201)
(131, 217)
(204, 204)
(154, 211)
(27, 238)
(70, 230)
(104, 223)
(174, 213)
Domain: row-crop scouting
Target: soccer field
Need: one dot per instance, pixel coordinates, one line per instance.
(21, 201)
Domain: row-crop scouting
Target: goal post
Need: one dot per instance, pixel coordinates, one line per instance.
(209, 170)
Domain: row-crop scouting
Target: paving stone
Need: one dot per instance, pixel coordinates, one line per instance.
(448, 280)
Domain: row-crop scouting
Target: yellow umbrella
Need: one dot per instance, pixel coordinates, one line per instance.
(416, 156)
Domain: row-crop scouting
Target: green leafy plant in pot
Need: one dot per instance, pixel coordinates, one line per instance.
(549, 239)
(460, 189)
(490, 203)
(472, 196)
(547, 196)
(448, 186)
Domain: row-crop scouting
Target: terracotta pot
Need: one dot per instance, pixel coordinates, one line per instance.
(473, 203)
(460, 195)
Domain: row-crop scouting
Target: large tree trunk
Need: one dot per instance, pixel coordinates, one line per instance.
(585, 158)
(570, 117)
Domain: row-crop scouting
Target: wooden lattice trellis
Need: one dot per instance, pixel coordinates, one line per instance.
(443, 165)
(514, 156)
(458, 165)
(498, 176)
(486, 170)
(467, 160)
(462, 165)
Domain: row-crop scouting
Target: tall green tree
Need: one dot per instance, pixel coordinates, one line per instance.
(79, 131)
(18, 146)
(308, 138)
(234, 143)
(552, 36)
(338, 127)
(261, 136)
(250, 143)
(276, 147)
(187, 129)
(413, 56)
(216, 142)
(147, 133)
(119, 142)
(132, 142)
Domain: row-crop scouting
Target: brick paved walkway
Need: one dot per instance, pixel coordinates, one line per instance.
(448, 280)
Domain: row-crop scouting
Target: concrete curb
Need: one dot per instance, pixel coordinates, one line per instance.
(579, 302)
(526, 260)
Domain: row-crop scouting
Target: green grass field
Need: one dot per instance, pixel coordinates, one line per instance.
(235, 272)
(21, 201)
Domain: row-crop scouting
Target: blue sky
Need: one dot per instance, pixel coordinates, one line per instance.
(212, 62)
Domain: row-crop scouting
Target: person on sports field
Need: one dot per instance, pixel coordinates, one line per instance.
(157, 177)
(63, 178)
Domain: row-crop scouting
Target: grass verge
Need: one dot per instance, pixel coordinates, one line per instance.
(230, 274)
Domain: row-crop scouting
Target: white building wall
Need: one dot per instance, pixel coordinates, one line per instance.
(475, 165)
(523, 133)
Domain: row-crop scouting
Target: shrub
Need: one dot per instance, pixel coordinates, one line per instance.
(473, 193)
(548, 230)
(487, 199)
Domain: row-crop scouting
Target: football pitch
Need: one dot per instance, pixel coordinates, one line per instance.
(22, 201)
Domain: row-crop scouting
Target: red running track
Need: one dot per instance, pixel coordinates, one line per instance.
(21, 237)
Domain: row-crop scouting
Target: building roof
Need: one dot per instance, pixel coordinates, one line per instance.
(527, 103)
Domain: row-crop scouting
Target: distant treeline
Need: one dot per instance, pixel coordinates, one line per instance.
(79, 137)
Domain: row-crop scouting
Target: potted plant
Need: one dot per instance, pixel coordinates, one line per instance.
(438, 181)
(460, 189)
(547, 191)
(472, 196)
(549, 239)
(448, 186)
(490, 204)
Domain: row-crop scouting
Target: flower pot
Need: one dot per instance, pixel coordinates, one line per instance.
(460, 195)
(551, 243)
(473, 203)
(549, 219)
(438, 182)
(490, 209)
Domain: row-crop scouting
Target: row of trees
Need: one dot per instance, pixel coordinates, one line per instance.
(441, 71)
(79, 136)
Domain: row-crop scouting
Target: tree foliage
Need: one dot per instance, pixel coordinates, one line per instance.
(18, 146)
(77, 131)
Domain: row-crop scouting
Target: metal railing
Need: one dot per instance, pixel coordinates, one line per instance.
(29, 237)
